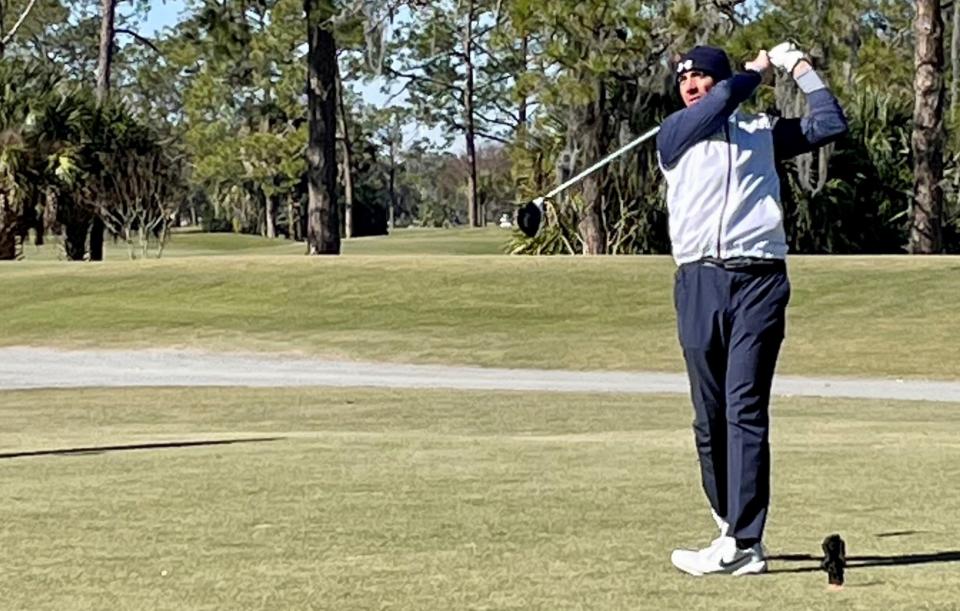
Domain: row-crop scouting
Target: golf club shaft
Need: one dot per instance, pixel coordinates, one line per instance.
(602, 163)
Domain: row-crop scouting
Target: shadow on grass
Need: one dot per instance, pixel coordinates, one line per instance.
(138, 446)
(856, 562)
(900, 533)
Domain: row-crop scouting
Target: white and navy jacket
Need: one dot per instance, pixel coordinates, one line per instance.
(723, 192)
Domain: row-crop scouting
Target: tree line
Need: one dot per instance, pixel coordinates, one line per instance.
(249, 116)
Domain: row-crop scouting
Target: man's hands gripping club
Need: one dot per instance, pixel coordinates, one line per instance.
(786, 56)
(761, 65)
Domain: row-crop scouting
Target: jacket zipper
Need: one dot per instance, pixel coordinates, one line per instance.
(726, 191)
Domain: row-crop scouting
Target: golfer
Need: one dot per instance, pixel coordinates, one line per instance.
(731, 291)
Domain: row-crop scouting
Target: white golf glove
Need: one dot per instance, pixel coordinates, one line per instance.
(785, 56)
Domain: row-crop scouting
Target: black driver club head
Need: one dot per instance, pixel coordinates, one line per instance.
(834, 559)
(529, 217)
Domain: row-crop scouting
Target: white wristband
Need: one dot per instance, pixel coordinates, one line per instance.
(810, 81)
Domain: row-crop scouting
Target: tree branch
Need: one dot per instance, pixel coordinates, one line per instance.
(16, 26)
(420, 77)
(357, 8)
(481, 32)
(429, 61)
(397, 94)
(500, 122)
(483, 134)
(141, 39)
(489, 84)
(489, 54)
(503, 110)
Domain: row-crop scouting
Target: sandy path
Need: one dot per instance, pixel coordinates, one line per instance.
(30, 367)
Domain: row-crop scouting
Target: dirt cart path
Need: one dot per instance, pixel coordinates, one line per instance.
(35, 367)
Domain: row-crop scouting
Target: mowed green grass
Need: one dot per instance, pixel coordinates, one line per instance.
(453, 500)
(862, 316)
(401, 241)
(426, 241)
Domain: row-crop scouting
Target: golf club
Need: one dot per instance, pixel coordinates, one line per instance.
(530, 215)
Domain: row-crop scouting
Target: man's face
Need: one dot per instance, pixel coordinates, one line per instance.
(694, 84)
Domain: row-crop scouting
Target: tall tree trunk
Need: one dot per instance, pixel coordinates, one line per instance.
(927, 140)
(144, 238)
(108, 10)
(593, 230)
(128, 236)
(8, 231)
(522, 111)
(270, 215)
(520, 135)
(96, 238)
(955, 63)
(323, 219)
(37, 223)
(820, 52)
(392, 185)
(468, 112)
(347, 161)
(395, 136)
(293, 220)
(3, 26)
(269, 201)
(75, 238)
(162, 242)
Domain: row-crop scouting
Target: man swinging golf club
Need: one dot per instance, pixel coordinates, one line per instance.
(731, 288)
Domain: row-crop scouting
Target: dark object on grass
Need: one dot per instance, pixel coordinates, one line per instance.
(528, 218)
(834, 559)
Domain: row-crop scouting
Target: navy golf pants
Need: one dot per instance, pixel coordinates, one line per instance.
(731, 324)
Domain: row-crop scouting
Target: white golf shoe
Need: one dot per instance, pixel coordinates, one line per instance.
(722, 557)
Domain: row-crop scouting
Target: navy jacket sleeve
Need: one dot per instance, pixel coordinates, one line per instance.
(686, 127)
(823, 124)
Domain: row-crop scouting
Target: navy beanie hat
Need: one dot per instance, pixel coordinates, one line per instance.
(708, 60)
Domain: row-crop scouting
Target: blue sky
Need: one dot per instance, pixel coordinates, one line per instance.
(162, 14)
